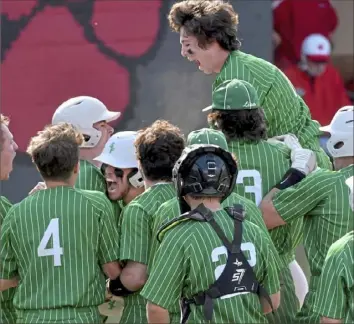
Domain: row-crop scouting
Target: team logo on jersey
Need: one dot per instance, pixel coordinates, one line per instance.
(301, 92)
(238, 275)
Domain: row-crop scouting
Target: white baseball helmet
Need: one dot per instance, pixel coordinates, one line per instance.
(83, 112)
(341, 130)
(350, 184)
(119, 152)
(316, 48)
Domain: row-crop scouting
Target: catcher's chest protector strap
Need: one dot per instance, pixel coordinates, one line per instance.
(237, 276)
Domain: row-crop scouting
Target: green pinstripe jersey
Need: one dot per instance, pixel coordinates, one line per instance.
(171, 209)
(135, 239)
(56, 242)
(91, 178)
(191, 257)
(7, 314)
(262, 166)
(335, 297)
(321, 199)
(285, 111)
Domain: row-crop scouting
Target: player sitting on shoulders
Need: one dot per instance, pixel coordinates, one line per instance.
(224, 268)
(208, 37)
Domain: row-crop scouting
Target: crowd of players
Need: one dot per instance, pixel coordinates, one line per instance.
(186, 230)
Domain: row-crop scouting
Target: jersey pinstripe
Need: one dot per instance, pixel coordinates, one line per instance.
(285, 111)
(190, 258)
(7, 311)
(55, 241)
(321, 199)
(135, 243)
(91, 178)
(337, 277)
(261, 166)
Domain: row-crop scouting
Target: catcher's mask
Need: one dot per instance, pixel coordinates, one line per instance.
(206, 171)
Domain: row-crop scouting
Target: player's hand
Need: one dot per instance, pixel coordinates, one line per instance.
(303, 160)
(39, 186)
(290, 140)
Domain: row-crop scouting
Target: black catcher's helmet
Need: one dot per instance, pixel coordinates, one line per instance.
(205, 170)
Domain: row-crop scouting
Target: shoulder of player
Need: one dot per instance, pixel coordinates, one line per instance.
(150, 200)
(235, 198)
(276, 146)
(342, 248)
(95, 198)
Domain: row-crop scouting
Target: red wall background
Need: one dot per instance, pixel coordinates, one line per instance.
(54, 50)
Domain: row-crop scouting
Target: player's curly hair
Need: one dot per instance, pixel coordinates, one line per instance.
(3, 121)
(55, 151)
(158, 147)
(248, 125)
(208, 21)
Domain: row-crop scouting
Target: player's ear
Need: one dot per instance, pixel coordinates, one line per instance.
(77, 168)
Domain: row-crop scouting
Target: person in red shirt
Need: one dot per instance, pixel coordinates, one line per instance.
(317, 81)
(294, 20)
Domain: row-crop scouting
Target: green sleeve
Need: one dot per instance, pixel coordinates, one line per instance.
(331, 299)
(165, 284)
(271, 266)
(135, 238)
(5, 206)
(298, 200)
(254, 215)
(109, 236)
(165, 213)
(8, 266)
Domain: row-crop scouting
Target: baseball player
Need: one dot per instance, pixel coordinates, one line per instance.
(158, 147)
(91, 117)
(211, 257)
(208, 37)
(8, 149)
(262, 165)
(321, 201)
(124, 182)
(60, 241)
(335, 297)
(171, 208)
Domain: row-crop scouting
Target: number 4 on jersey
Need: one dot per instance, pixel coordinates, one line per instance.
(51, 231)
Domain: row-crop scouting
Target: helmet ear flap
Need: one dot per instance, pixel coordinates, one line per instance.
(136, 179)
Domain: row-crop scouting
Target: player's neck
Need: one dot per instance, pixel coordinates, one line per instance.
(149, 183)
(89, 155)
(132, 194)
(54, 184)
(212, 204)
(221, 59)
(343, 162)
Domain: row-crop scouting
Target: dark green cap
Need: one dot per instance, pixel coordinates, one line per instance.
(207, 136)
(234, 95)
